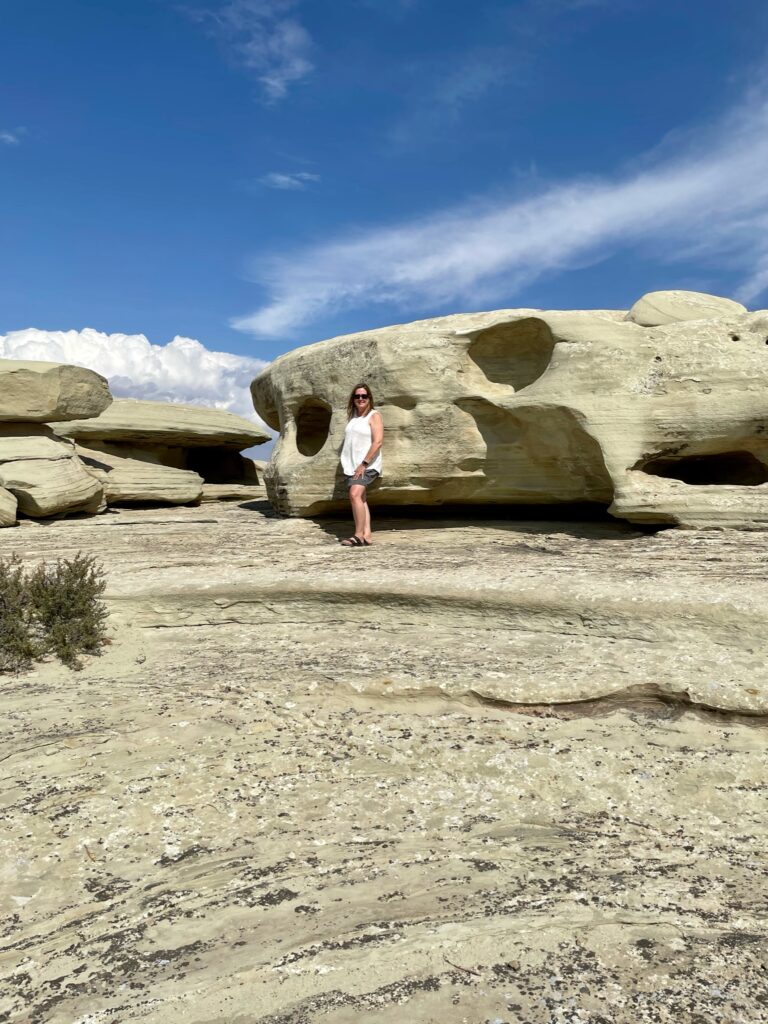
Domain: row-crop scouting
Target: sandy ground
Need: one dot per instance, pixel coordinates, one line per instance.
(484, 771)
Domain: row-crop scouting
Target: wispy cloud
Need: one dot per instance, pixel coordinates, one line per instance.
(288, 182)
(11, 138)
(264, 37)
(184, 370)
(439, 103)
(443, 91)
(711, 195)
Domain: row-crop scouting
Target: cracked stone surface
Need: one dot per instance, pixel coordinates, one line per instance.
(471, 774)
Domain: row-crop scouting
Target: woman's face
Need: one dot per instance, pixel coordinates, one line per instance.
(361, 400)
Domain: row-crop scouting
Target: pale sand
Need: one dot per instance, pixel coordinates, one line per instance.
(306, 784)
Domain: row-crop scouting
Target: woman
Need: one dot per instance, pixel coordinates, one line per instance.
(361, 459)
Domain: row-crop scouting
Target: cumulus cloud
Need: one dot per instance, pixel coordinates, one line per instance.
(708, 195)
(288, 182)
(264, 37)
(184, 370)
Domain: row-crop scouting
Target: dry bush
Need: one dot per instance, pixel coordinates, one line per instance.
(17, 647)
(53, 609)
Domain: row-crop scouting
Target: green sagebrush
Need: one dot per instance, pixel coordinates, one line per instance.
(51, 609)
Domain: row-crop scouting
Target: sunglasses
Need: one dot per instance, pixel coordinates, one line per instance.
(359, 398)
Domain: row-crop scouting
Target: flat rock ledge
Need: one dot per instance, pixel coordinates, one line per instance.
(469, 773)
(137, 421)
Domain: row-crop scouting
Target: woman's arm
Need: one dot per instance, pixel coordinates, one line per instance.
(377, 436)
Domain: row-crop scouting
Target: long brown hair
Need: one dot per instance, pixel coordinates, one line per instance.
(351, 402)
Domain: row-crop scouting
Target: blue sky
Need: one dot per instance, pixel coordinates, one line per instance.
(257, 174)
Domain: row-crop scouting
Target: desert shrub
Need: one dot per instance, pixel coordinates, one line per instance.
(17, 647)
(54, 609)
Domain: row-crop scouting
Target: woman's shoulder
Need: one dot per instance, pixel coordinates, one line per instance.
(373, 414)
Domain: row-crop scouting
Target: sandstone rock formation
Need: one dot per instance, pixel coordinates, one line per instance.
(663, 424)
(39, 471)
(137, 440)
(38, 392)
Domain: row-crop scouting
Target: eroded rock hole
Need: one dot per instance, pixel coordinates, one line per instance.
(515, 354)
(736, 468)
(313, 423)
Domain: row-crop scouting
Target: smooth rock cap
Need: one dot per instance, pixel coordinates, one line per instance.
(38, 392)
(655, 309)
(166, 423)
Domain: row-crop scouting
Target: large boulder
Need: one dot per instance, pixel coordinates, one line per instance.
(43, 472)
(133, 477)
(667, 424)
(205, 441)
(39, 472)
(657, 308)
(38, 392)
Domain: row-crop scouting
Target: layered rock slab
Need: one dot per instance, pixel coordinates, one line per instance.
(133, 477)
(43, 472)
(136, 421)
(662, 424)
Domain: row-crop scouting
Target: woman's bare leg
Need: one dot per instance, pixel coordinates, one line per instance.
(359, 510)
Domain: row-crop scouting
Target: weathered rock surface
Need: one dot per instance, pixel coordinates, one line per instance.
(43, 472)
(38, 392)
(8, 506)
(662, 425)
(657, 308)
(133, 476)
(294, 787)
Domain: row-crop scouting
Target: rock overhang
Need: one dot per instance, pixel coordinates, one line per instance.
(138, 421)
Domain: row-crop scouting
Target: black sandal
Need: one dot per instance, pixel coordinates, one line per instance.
(353, 542)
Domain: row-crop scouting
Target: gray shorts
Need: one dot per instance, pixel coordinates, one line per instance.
(369, 476)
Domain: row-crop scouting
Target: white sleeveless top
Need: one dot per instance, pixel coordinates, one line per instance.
(357, 441)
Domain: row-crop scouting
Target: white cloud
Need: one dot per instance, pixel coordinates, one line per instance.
(181, 371)
(262, 36)
(710, 196)
(288, 182)
(11, 138)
